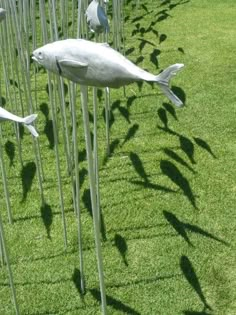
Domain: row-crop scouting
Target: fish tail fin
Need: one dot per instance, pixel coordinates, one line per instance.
(27, 121)
(163, 80)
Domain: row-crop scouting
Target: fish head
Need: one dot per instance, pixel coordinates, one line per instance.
(46, 57)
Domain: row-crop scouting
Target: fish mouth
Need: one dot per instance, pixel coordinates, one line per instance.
(35, 59)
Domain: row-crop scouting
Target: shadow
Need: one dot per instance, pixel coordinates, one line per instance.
(179, 92)
(180, 49)
(99, 94)
(14, 83)
(152, 186)
(154, 57)
(171, 171)
(143, 43)
(162, 38)
(77, 280)
(131, 133)
(171, 110)
(82, 155)
(103, 228)
(2, 101)
(191, 277)
(111, 117)
(86, 198)
(187, 146)
(113, 145)
(129, 51)
(177, 225)
(10, 151)
(138, 166)
(202, 144)
(163, 117)
(130, 100)
(178, 159)
(47, 217)
(48, 130)
(138, 61)
(114, 303)
(125, 113)
(82, 174)
(122, 247)
(21, 130)
(27, 175)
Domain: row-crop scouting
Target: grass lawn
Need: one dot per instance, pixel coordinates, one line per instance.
(168, 190)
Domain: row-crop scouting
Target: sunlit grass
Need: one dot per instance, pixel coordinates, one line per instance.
(167, 191)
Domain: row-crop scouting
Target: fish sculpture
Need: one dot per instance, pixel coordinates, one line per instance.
(96, 18)
(2, 14)
(97, 64)
(26, 121)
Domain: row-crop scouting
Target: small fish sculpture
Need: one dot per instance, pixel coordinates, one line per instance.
(96, 18)
(26, 121)
(96, 64)
(2, 14)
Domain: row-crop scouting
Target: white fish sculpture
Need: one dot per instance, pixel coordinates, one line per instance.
(26, 121)
(2, 14)
(96, 18)
(97, 64)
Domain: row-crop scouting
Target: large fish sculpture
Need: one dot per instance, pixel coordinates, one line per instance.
(2, 14)
(26, 121)
(97, 64)
(96, 18)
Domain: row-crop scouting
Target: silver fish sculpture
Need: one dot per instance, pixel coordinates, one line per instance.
(26, 121)
(96, 18)
(2, 14)
(96, 64)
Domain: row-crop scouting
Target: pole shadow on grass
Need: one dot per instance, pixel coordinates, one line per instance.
(10, 150)
(171, 171)
(191, 276)
(27, 175)
(47, 217)
(182, 228)
(114, 303)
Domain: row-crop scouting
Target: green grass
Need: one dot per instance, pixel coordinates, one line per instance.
(167, 191)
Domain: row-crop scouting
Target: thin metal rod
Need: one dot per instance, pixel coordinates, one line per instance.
(84, 104)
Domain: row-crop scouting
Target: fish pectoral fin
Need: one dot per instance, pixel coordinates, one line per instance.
(72, 63)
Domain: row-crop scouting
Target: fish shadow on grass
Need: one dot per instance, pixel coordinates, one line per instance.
(27, 175)
(10, 150)
(130, 133)
(48, 128)
(180, 93)
(182, 228)
(170, 153)
(47, 217)
(190, 275)
(204, 145)
(171, 171)
(154, 57)
(188, 147)
(122, 247)
(114, 303)
(113, 145)
(138, 166)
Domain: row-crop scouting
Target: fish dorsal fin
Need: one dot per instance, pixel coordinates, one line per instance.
(72, 63)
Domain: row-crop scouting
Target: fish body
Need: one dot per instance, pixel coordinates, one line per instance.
(26, 121)
(2, 14)
(97, 64)
(96, 18)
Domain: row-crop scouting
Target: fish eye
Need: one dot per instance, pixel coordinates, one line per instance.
(40, 55)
